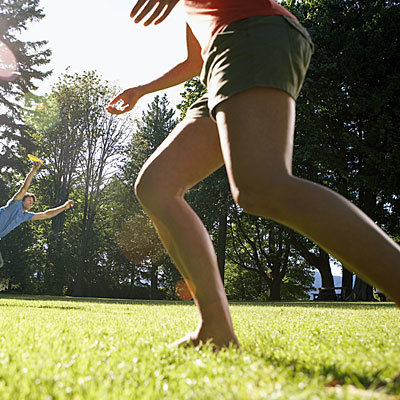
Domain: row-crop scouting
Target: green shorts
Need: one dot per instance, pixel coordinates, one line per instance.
(262, 51)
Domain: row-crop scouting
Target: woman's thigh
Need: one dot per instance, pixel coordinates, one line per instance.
(256, 129)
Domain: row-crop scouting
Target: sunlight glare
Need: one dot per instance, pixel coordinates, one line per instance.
(8, 63)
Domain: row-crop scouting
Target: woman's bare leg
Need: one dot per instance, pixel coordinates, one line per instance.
(189, 154)
(256, 132)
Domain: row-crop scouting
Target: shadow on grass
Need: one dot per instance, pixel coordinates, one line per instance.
(52, 307)
(320, 304)
(94, 300)
(98, 300)
(335, 377)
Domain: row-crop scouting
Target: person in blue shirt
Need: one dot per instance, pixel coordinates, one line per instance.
(16, 211)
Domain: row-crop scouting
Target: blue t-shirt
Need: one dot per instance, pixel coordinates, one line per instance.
(11, 216)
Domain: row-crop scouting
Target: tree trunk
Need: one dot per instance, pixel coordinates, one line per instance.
(274, 290)
(327, 281)
(81, 285)
(347, 282)
(132, 277)
(154, 282)
(321, 263)
(361, 291)
(367, 202)
(56, 259)
(79, 288)
(221, 243)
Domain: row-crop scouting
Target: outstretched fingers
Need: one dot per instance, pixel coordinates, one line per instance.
(117, 106)
(139, 4)
(162, 10)
(124, 102)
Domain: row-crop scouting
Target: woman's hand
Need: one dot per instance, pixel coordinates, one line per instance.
(163, 9)
(125, 101)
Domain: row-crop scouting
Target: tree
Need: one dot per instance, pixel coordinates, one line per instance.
(102, 148)
(31, 56)
(55, 124)
(151, 129)
(81, 144)
(264, 247)
(351, 97)
(361, 291)
(243, 284)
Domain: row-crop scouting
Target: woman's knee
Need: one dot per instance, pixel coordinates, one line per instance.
(266, 198)
(153, 191)
(255, 202)
(146, 189)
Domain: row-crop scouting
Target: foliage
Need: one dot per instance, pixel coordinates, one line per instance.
(152, 128)
(264, 247)
(244, 284)
(193, 90)
(351, 96)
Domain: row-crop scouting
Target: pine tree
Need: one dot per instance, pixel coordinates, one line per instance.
(152, 128)
(31, 56)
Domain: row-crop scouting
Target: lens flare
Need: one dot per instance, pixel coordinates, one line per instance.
(185, 290)
(42, 113)
(134, 240)
(8, 63)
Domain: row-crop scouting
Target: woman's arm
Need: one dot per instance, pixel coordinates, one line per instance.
(182, 72)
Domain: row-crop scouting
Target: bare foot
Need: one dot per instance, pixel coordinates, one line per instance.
(199, 338)
(186, 341)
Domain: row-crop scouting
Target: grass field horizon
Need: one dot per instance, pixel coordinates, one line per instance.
(95, 348)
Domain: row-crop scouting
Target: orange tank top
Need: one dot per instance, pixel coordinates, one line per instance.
(207, 18)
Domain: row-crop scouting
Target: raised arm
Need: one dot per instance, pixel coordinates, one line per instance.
(24, 188)
(182, 72)
(52, 212)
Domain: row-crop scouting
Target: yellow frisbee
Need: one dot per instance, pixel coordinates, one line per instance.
(34, 158)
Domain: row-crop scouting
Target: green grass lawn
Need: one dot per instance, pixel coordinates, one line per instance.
(68, 348)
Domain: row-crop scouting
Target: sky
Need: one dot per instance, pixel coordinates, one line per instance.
(99, 35)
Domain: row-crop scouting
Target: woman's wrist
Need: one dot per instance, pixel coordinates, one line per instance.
(142, 90)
